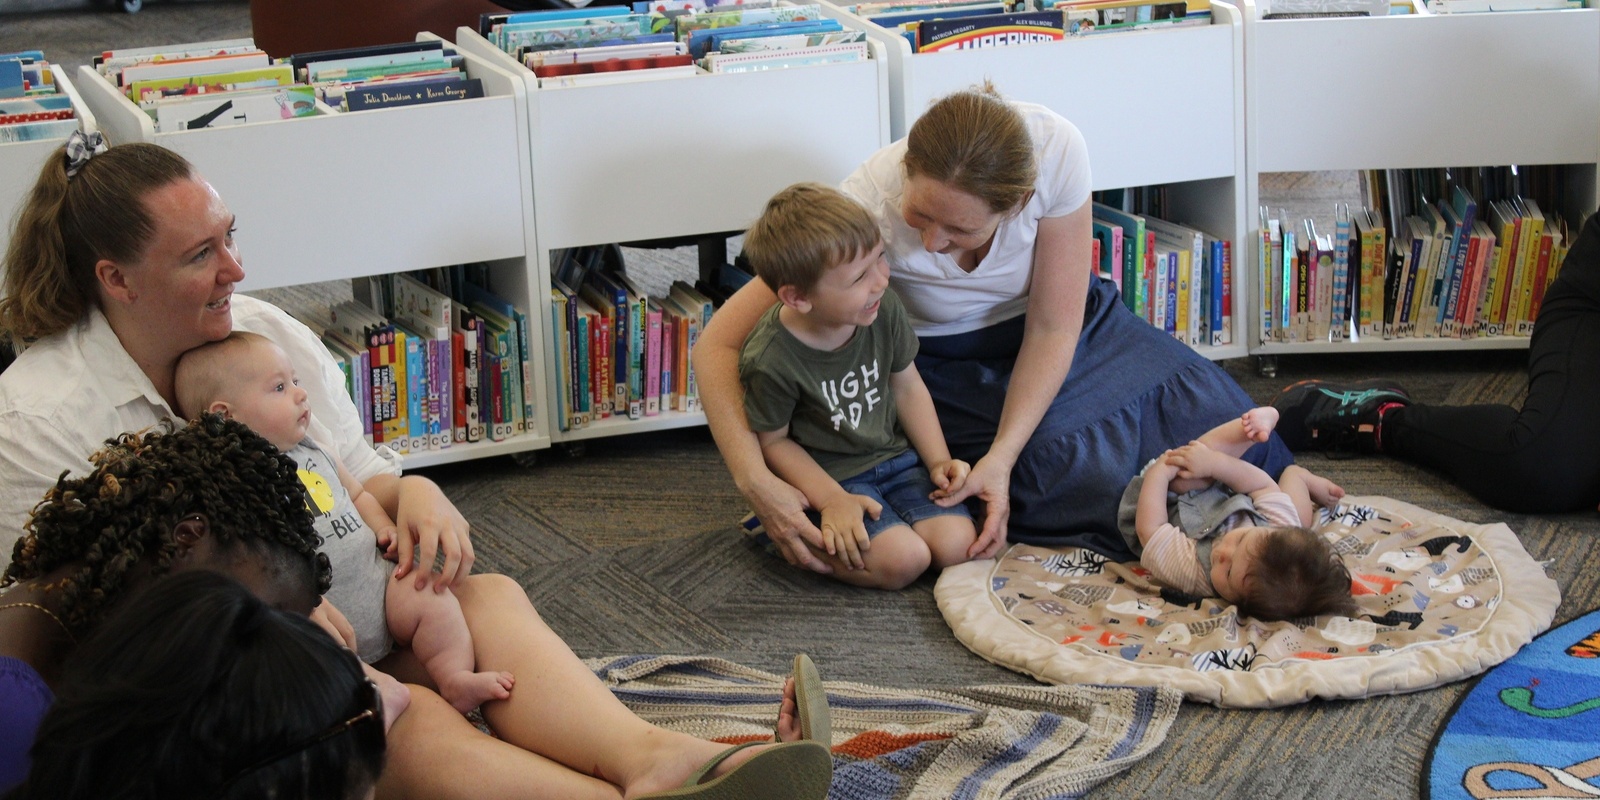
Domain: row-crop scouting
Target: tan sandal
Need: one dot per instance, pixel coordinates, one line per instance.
(788, 771)
(811, 702)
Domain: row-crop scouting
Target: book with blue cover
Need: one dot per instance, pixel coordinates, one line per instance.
(409, 93)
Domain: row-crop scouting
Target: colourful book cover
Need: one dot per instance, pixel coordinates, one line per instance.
(995, 30)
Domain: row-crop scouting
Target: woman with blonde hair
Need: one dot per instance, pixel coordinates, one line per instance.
(1042, 378)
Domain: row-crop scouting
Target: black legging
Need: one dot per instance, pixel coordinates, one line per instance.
(1544, 458)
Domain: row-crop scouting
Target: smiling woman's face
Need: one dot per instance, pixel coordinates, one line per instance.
(950, 221)
(183, 282)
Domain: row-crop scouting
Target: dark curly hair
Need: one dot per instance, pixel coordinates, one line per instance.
(125, 512)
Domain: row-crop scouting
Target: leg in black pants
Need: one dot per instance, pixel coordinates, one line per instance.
(1546, 457)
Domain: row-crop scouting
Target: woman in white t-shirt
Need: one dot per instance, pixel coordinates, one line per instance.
(985, 215)
(122, 260)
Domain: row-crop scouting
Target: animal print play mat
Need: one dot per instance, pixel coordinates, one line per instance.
(1440, 600)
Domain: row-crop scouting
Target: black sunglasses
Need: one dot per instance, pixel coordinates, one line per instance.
(367, 723)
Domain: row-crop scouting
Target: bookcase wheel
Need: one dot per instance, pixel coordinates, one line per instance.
(572, 449)
(1267, 366)
(131, 6)
(527, 459)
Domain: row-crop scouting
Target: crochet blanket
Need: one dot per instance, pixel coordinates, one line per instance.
(982, 741)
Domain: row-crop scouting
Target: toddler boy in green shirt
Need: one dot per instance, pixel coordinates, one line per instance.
(835, 400)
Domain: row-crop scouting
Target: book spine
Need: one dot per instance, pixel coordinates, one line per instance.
(401, 423)
(603, 380)
(581, 369)
(1226, 291)
(558, 354)
(669, 354)
(525, 372)
(1540, 279)
(652, 364)
(619, 350)
(364, 393)
(477, 406)
(416, 395)
(375, 382)
(458, 385)
(638, 321)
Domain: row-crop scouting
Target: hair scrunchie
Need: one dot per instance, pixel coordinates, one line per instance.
(81, 147)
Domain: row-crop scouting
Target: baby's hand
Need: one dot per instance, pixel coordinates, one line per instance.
(1194, 460)
(949, 476)
(388, 543)
(844, 535)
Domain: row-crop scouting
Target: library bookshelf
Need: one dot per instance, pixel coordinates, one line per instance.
(1155, 107)
(20, 162)
(1421, 91)
(688, 155)
(338, 196)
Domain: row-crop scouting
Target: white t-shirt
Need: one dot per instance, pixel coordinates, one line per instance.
(942, 298)
(70, 392)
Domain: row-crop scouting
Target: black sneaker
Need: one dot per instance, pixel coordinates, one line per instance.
(1335, 417)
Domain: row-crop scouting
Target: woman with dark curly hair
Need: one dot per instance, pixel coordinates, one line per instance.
(212, 495)
(197, 688)
(122, 260)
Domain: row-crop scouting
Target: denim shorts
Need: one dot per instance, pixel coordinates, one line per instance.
(901, 485)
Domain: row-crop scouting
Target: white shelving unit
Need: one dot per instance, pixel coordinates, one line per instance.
(348, 195)
(1155, 107)
(1421, 91)
(20, 162)
(689, 155)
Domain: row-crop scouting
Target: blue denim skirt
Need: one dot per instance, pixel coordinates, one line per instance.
(1132, 392)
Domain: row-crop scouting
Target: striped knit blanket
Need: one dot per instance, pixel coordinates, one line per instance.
(999, 741)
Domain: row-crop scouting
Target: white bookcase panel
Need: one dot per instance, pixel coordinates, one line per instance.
(342, 195)
(1419, 91)
(1424, 91)
(20, 162)
(694, 154)
(1154, 107)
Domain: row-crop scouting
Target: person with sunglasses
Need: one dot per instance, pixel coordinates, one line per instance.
(198, 688)
(210, 496)
(122, 259)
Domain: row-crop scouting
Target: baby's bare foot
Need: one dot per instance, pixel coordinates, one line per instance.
(1259, 422)
(468, 690)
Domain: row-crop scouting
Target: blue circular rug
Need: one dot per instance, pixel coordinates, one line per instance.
(1529, 728)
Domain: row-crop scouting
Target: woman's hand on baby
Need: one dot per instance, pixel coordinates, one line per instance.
(844, 535)
(782, 511)
(989, 481)
(429, 525)
(948, 476)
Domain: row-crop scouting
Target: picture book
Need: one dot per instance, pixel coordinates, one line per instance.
(805, 57)
(996, 30)
(389, 95)
(233, 108)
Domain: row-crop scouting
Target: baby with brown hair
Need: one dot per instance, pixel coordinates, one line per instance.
(1207, 523)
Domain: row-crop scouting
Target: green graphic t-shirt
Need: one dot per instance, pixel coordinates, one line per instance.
(837, 403)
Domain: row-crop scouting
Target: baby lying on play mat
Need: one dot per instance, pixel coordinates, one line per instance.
(1209, 524)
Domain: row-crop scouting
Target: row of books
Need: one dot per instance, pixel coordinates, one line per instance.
(620, 351)
(432, 358)
(669, 38)
(1175, 277)
(32, 106)
(233, 82)
(931, 26)
(1456, 269)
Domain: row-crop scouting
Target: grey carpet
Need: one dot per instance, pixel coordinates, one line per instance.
(630, 547)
